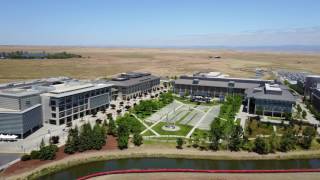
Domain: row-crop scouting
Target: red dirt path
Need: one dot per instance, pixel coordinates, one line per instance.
(31, 164)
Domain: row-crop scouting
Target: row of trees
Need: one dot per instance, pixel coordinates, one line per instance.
(287, 142)
(86, 139)
(225, 133)
(147, 107)
(235, 140)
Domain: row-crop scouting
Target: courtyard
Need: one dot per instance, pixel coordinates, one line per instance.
(183, 118)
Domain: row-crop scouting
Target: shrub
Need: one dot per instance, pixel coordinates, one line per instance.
(307, 136)
(137, 139)
(288, 141)
(261, 146)
(248, 146)
(123, 142)
(179, 143)
(34, 155)
(25, 157)
(48, 152)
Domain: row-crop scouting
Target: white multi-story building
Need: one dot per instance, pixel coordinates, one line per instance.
(73, 100)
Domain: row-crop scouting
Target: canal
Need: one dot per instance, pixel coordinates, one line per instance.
(159, 163)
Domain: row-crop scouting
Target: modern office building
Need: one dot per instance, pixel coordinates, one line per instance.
(73, 100)
(270, 99)
(133, 84)
(20, 111)
(214, 86)
(35, 82)
(310, 84)
(315, 99)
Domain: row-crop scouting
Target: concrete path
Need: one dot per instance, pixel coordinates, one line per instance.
(198, 123)
(243, 116)
(147, 127)
(154, 124)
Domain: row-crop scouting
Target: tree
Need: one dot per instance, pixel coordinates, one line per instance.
(123, 136)
(273, 143)
(112, 129)
(287, 115)
(288, 141)
(261, 146)
(299, 109)
(216, 132)
(69, 147)
(235, 140)
(85, 136)
(137, 139)
(42, 144)
(179, 143)
(98, 138)
(307, 136)
(304, 114)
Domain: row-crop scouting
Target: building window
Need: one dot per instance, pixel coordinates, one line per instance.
(61, 121)
(53, 121)
(53, 115)
(28, 103)
(53, 108)
(52, 103)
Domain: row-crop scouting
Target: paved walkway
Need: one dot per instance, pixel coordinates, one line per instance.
(147, 127)
(154, 124)
(243, 117)
(198, 123)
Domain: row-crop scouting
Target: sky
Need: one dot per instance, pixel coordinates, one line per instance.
(160, 22)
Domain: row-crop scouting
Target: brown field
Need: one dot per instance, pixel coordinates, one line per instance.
(102, 62)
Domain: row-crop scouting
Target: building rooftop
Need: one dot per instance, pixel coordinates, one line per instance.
(18, 92)
(213, 83)
(72, 88)
(132, 78)
(262, 93)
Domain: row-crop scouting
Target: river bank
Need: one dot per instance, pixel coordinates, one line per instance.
(47, 167)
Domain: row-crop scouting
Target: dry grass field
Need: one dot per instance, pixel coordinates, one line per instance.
(103, 62)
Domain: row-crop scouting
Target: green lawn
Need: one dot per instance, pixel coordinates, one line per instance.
(148, 133)
(184, 129)
(258, 128)
(200, 133)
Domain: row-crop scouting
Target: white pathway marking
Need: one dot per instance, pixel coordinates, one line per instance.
(150, 127)
(147, 127)
(189, 106)
(198, 123)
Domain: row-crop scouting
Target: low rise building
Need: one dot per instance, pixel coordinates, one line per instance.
(270, 99)
(133, 84)
(209, 86)
(74, 100)
(20, 111)
(315, 99)
(310, 84)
